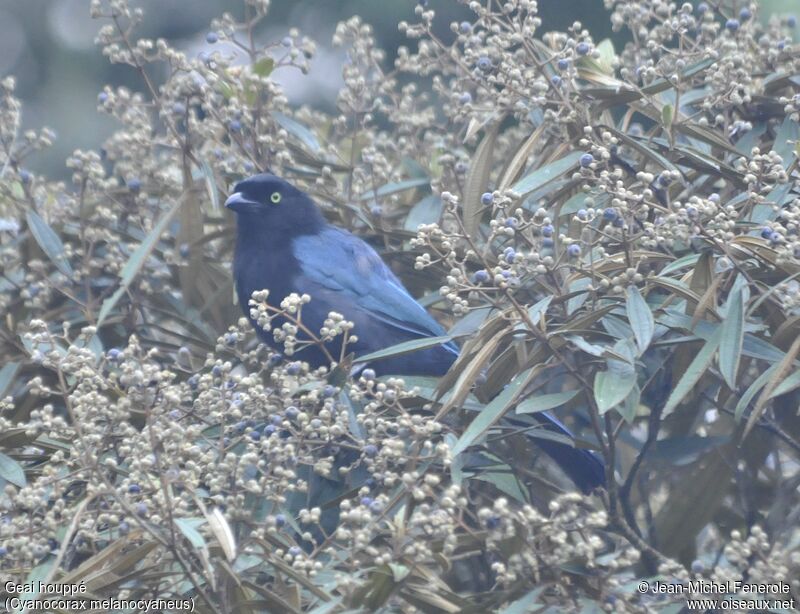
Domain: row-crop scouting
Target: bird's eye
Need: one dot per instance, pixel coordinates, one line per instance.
(275, 197)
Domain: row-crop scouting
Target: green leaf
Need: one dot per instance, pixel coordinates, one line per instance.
(426, 211)
(526, 603)
(136, 261)
(787, 385)
(478, 182)
(188, 526)
(7, 375)
(730, 347)
(752, 391)
(680, 263)
(394, 188)
(538, 310)
(667, 114)
(629, 408)
(264, 67)
(49, 241)
(613, 385)
(693, 372)
(494, 410)
(788, 134)
(12, 471)
(546, 401)
(640, 318)
(298, 130)
(405, 348)
(545, 174)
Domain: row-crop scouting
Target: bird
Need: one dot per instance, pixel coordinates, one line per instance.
(285, 245)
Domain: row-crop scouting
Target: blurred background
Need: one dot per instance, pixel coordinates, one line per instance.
(48, 45)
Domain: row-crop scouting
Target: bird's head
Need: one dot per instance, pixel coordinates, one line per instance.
(267, 202)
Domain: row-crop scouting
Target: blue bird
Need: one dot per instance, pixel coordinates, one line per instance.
(284, 245)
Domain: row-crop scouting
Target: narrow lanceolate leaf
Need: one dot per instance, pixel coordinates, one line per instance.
(136, 261)
(426, 211)
(613, 385)
(752, 391)
(640, 318)
(545, 174)
(11, 471)
(395, 187)
(518, 161)
(494, 410)
(405, 348)
(188, 526)
(783, 368)
(693, 372)
(543, 402)
(730, 347)
(536, 312)
(478, 182)
(48, 240)
(222, 531)
(667, 114)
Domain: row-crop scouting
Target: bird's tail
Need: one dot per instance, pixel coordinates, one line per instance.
(584, 467)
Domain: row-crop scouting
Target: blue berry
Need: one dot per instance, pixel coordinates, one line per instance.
(134, 489)
(328, 391)
(179, 108)
(664, 180)
(582, 214)
(255, 435)
(366, 501)
(511, 222)
(235, 126)
(292, 412)
(3, 551)
(732, 25)
(465, 27)
(124, 528)
(276, 419)
(618, 222)
(102, 97)
(791, 21)
(481, 277)
(547, 231)
(113, 354)
(368, 374)
(586, 160)
(216, 371)
(230, 339)
(609, 214)
(295, 551)
(547, 242)
(582, 48)
(691, 211)
(376, 507)
(293, 368)
(766, 232)
(484, 64)
(134, 184)
(24, 176)
(280, 520)
(461, 167)
(574, 250)
(371, 450)
(492, 522)
(465, 98)
(555, 80)
(563, 64)
(269, 430)
(141, 509)
(509, 255)
(184, 250)
(745, 14)
(286, 41)
(193, 382)
(776, 237)
(702, 8)
(487, 198)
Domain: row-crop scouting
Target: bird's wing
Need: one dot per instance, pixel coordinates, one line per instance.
(340, 261)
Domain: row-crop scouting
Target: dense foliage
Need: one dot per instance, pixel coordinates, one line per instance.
(609, 234)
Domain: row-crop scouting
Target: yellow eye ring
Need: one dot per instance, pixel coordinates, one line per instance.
(275, 197)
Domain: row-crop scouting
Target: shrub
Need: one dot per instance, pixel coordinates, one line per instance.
(611, 234)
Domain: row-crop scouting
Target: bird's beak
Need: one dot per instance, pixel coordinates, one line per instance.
(237, 202)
